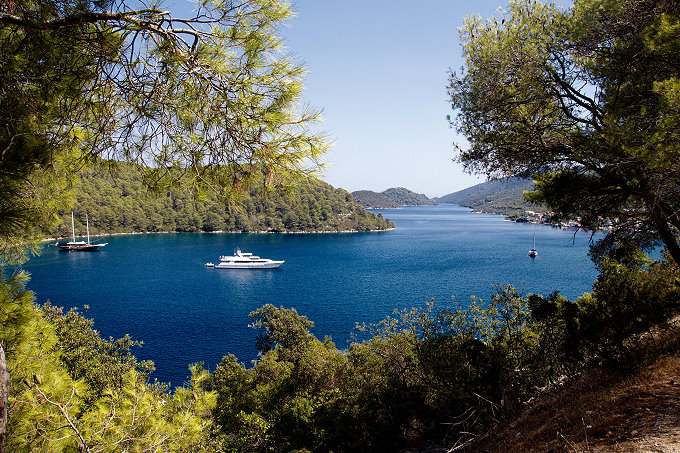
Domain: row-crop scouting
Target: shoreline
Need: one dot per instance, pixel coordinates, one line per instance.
(223, 232)
(399, 207)
(508, 218)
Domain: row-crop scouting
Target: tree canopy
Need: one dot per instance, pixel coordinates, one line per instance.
(587, 101)
(212, 95)
(207, 101)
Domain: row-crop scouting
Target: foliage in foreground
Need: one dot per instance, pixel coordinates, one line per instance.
(585, 100)
(425, 376)
(210, 96)
(433, 375)
(70, 390)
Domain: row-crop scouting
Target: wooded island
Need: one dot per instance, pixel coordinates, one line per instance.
(118, 202)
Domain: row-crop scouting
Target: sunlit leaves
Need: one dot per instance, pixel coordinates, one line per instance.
(71, 390)
(212, 95)
(588, 94)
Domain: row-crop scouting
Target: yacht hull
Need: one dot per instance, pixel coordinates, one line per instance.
(242, 260)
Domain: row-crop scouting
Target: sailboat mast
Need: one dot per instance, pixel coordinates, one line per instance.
(87, 222)
(73, 228)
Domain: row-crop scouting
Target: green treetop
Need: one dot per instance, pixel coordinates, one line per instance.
(587, 100)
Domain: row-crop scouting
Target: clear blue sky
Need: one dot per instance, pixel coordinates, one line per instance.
(378, 70)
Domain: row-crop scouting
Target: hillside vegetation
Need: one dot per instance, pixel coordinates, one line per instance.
(370, 199)
(504, 196)
(405, 197)
(391, 198)
(118, 203)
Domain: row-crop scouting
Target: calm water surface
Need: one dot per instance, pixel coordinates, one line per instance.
(155, 287)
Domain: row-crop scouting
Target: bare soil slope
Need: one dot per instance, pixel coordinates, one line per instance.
(601, 413)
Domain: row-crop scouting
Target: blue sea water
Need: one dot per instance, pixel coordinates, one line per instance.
(156, 288)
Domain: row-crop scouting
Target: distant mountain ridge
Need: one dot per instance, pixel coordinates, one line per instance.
(393, 197)
(370, 199)
(503, 196)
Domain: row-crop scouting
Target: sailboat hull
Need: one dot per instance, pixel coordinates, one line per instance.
(79, 246)
(533, 253)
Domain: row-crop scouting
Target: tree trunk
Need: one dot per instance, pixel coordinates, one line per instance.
(660, 215)
(666, 233)
(4, 396)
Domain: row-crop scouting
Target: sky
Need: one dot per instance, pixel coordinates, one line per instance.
(378, 70)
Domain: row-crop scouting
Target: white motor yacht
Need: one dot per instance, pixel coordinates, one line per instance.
(243, 260)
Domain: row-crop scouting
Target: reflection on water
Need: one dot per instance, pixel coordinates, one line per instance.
(244, 276)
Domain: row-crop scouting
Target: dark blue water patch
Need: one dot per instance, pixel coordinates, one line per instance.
(156, 288)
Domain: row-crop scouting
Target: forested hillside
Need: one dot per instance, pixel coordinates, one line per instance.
(405, 197)
(497, 197)
(370, 199)
(391, 198)
(119, 203)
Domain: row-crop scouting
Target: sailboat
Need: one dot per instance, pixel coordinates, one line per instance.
(533, 253)
(80, 246)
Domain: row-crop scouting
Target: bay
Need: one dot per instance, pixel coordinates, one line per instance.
(156, 288)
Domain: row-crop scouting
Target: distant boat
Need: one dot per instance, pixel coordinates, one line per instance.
(80, 246)
(533, 253)
(243, 260)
